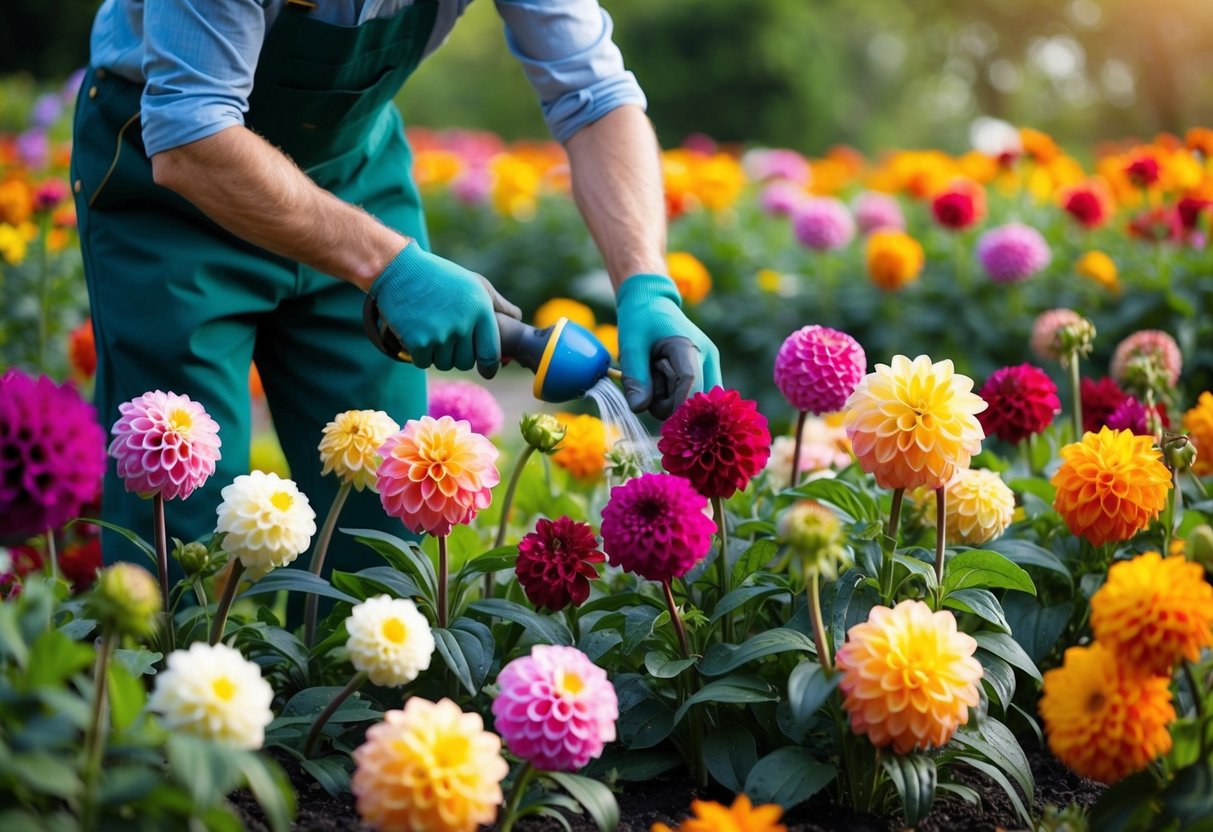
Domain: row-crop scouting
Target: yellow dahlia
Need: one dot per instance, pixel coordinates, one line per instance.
(742, 816)
(908, 677)
(1105, 720)
(1154, 611)
(1198, 422)
(689, 275)
(428, 767)
(1110, 485)
(557, 308)
(979, 507)
(583, 450)
(350, 446)
(914, 423)
(1100, 269)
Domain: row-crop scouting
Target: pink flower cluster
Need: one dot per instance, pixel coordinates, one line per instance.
(823, 224)
(1013, 252)
(468, 401)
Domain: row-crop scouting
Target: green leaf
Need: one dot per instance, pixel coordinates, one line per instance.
(741, 596)
(757, 555)
(965, 793)
(594, 796)
(139, 542)
(296, 580)
(405, 555)
(331, 772)
(853, 504)
(476, 641)
(808, 689)
(730, 753)
(914, 776)
(126, 695)
(1037, 628)
(272, 788)
(44, 773)
(996, 743)
(1027, 553)
(979, 602)
(126, 784)
(1189, 797)
(998, 675)
(54, 658)
(981, 568)
(661, 666)
(384, 578)
(850, 603)
(307, 704)
(789, 777)
(207, 770)
(78, 629)
(1037, 487)
(917, 566)
(1008, 649)
(731, 689)
(633, 766)
(995, 774)
(140, 662)
(452, 653)
(545, 628)
(724, 658)
(1127, 805)
(494, 560)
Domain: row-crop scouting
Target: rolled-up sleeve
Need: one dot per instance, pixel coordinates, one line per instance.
(199, 61)
(566, 50)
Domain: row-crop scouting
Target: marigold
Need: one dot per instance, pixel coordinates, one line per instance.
(1154, 611)
(557, 308)
(894, 259)
(742, 816)
(1110, 485)
(979, 506)
(1198, 422)
(689, 275)
(908, 677)
(350, 446)
(1104, 719)
(914, 423)
(1100, 269)
(583, 450)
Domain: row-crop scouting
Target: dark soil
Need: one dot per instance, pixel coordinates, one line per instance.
(669, 800)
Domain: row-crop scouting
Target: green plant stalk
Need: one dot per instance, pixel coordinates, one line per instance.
(800, 420)
(317, 565)
(1198, 696)
(52, 553)
(506, 504)
(888, 546)
(819, 625)
(941, 535)
(442, 581)
(1200, 486)
(354, 683)
(44, 283)
(722, 564)
(94, 739)
(516, 794)
(161, 534)
(1171, 512)
(225, 601)
(1075, 394)
(960, 260)
(676, 619)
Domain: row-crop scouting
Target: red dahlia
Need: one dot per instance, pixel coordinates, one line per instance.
(1190, 209)
(962, 205)
(1088, 203)
(1143, 171)
(717, 440)
(80, 563)
(1099, 400)
(1023, 401)
(556, 563)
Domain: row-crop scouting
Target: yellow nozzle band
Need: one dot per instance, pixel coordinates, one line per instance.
(549, 349)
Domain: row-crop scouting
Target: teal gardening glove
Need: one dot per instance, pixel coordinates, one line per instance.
(665, 357)
(443, 314)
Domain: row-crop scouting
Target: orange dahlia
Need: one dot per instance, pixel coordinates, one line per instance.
(1154, 611)
(742, 816)
(1110, 485)
(583, 450)
(894, 258)
(557, 308)
(689, 275)
(1105, 720)
(82, 351)
(908, 677)
(914, 423)
(1198, 422)
(1100, 269)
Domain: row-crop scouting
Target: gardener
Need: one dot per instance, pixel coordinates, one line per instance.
(242, 180)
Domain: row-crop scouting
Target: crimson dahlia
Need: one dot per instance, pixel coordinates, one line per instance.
(556, 563)
(717, 440)
(1023, 401)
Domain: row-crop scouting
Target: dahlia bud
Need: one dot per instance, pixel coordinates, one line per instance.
(814, 534)
(1198, 547)
(193, 557)
(542, 431)
(1180, 452)
(622, 463)
(1143, 373)
(126, 598)
(1075, 338)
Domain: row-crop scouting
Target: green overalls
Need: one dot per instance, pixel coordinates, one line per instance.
(181, 305)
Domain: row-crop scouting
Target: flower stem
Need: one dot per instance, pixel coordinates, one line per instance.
(819, 625)
(1075, 394)
(722, 564)
(506, 504)
(442, 581)
(94, 739)
(888, 547)
(1200, 486)
(161, 534)
(516, 794)
(676, 619)
(52, 553)
(941, 534)
(317, 566)
(804, 414)
(225, 602)
(895, 515)
(327, 714)
(1171, 512)
(1198, 696)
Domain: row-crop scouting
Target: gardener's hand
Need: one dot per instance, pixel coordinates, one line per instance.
(442, 313)
(665, 357)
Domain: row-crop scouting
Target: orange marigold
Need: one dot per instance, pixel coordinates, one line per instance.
(1110, 485)
(894, 259)
(689, 275)
(1104, 720)
(1154, 611)
(1198, 422)
(742, 816)
(1099, 268)
(583, 451)
(557, 308)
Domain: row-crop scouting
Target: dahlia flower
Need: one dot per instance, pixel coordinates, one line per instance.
(389, 640)
(350, 446)
(894, 259)
(1143, 169)
(429, 766)
(82, 351)
(717, 440)
(689, 275)
(1100, 399)
(655, 526)
(80, 562)
(1104, 719)
(1158, 225)
(776, 163)
(556, 563)
(1154, 612)
(817, 369)
(979, 507)
(1110, 485)
(1153, 347)
(1132, 414)
(215, 693)
(874, 210)
(782, 198)
(52, 454)
(1045, 341)
(959, 206)
(556, 709)
(267, 522)
(468, 401)
(165, 444)
(823, 446)
(1198, 422)
(553, 310)
(742, 816)
(583, 450)
(436, 474)
(1089, 203)
(1100, 269)
(1023, 401)
(914, 423)
(823, 224)
(908, 677)
(1013, 252)
(814, 534)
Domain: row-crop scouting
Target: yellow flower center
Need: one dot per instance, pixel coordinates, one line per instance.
(569, 683)
(282, 500)
(179, 420)
(394, 630)
(224, 688)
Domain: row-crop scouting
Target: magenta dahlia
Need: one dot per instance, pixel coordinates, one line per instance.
(817, 369)
(823, 224)
(52, 454)
(1100, 399)
(556, 563)
(468, 401)
(165, 444)
(655, 526)
(1023, 401)
(782, 198)
(557, 709)
(1133, 415)
(717, 440)
(1013, 252)
(874, 210)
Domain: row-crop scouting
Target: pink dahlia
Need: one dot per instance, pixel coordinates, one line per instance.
(874, 210)
(782, 198)
(1044, 331)
(777, 163)
(52, 454)
(717, 440)
(557, 709)
(823, 224)
(655, 526)
(1133, 415)
(469, 401)
(817, 369)
(1151, 346)
(1023, 401)
(1013, 252)
(435, 474)
(1100, 399)
(165, 444)
(556, 563)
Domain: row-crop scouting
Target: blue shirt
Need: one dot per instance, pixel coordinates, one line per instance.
(197, 58)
